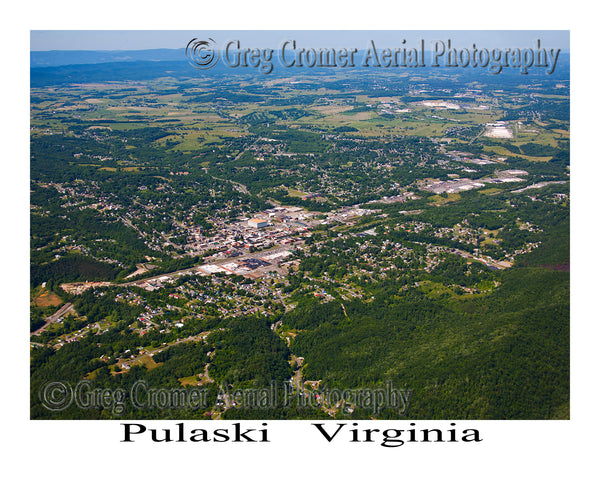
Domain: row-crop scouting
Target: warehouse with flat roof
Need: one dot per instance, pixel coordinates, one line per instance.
(257, 223)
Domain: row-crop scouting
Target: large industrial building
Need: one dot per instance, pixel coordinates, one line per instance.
(257, 223)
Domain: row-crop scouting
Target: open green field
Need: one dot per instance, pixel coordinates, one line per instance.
(192, 381)
(499, 150)
(146, 361)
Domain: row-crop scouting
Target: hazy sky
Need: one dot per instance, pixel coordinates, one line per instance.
(145, 39)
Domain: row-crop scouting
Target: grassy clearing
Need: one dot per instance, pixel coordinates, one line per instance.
(490, 191)
(359, 116)
(146, 361)
(436, 290)
(207, 133)
(498, 150)
(439, 200)
(542, 137)
(427, 129)
(489, 241)
(191, 380)
(292, 192)
(332, 109)
(47, 299)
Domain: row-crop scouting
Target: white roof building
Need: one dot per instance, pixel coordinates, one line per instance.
(257, 223)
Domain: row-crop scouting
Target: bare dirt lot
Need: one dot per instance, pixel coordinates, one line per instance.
(47, 299)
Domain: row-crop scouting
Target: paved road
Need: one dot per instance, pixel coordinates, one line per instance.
(66, 308)
(194, 269)
(242, 188)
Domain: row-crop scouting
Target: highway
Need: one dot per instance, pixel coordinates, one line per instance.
(66, 308)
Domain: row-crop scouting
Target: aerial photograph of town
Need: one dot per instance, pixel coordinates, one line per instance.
(302, 225)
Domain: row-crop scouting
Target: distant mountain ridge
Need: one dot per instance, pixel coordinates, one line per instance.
(56, 58)
(58, 67)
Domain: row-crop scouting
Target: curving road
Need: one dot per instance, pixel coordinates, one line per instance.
(66, 308)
